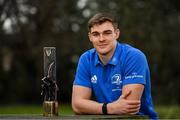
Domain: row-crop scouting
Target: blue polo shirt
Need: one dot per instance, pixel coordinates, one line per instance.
(128, 65)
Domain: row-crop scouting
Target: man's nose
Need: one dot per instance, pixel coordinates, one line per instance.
(101, 37)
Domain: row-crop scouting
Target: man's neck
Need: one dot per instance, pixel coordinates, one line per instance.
(106, 57)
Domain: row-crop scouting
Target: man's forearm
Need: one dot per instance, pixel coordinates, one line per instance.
(84, 106)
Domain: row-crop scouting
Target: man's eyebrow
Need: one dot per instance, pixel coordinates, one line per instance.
(107, 31)
(94, 32)
(102, 32)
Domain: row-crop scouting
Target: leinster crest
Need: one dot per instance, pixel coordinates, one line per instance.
(116, 79)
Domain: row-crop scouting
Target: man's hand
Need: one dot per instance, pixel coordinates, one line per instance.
(124, 106)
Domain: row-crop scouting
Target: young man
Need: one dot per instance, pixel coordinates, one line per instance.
(117, 74)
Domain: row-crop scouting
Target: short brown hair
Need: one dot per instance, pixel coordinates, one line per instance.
(100, 18)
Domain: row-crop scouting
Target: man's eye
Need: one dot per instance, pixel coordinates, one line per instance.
(107, 33)
(95, 34)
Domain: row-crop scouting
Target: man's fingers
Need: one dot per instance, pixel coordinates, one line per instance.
(133, 111)
(134, 106)
(127, 94)
(124, 96)
(133, 102)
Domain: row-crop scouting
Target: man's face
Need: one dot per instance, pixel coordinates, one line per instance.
(103, 37)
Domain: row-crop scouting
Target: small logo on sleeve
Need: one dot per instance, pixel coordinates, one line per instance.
(94, 79)
(133, 75)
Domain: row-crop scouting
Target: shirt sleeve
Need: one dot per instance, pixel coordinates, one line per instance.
(82, 76)
(135, 68)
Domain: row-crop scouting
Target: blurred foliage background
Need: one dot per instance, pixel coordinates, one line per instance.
(26, 26)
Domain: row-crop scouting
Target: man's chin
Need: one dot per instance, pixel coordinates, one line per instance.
(103, 53)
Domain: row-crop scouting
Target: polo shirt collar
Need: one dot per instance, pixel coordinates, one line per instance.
(113, 60)
(97, 60)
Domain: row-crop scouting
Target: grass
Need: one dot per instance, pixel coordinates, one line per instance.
(166, 112)
(64, 109)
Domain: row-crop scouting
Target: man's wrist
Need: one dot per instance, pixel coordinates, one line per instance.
(104, 109)
(109, 108)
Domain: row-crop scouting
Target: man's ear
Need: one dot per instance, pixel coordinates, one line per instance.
(89, 35)
(117, 33)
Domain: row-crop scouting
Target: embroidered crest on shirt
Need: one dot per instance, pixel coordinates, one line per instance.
(116, 82)
(116, 79)
(94, 79)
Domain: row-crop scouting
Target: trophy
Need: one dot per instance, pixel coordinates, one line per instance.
(49, 83)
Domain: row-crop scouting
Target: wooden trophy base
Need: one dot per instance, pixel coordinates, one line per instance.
(50, 108)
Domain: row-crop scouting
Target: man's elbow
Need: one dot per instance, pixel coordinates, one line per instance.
(76, 108)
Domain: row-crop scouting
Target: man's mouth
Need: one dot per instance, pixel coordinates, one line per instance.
(102, 45)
